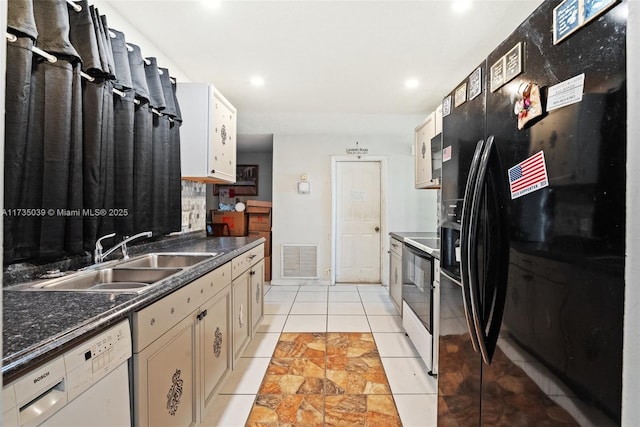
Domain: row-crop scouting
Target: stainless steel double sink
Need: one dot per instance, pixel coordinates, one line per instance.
(134, 275)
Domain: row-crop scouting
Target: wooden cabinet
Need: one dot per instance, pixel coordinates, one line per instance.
(395, 273)
(208, 134)
(423, 134)
(248, 297)
(182, 351)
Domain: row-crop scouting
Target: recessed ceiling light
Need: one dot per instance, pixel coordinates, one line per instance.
(257, 81)
(461, 6)
(411, 83)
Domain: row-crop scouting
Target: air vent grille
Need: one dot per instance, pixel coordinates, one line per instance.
(299, 261)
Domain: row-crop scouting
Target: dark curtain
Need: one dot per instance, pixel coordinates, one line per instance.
(101, 162)
(142, 148)
(160, 149)
(20, 23)
(160, 175)
(86, 38)
(175, 184)
(124, 117)
(50, 162)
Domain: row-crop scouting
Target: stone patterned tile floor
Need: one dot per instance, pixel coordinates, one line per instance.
(333, 384)
(324, 379)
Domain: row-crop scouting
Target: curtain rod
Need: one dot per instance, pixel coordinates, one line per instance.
(87, 76)
(49, 57)
(75, 6)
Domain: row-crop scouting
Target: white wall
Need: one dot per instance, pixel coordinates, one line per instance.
(132, 35)
(306, 219)
(631, 352)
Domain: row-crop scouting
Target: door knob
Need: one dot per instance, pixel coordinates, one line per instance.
(377, 229)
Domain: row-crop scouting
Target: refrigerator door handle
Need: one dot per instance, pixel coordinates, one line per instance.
(487, 322)
(465, 245)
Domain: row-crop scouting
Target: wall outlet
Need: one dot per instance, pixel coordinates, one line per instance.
(327, 271)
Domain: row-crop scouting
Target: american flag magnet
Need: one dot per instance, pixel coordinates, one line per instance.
(528, 176)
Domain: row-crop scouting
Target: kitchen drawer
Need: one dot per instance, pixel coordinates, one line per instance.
(153, 321)
(212, 283)
(241, 263)
(396, 246)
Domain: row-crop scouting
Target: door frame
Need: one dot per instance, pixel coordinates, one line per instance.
(334, 208)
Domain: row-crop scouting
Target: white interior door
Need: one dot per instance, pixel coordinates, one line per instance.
(358, 220)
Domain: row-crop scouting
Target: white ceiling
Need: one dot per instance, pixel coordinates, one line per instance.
(329, 57)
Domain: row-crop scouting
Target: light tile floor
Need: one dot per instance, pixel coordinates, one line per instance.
(341, 308)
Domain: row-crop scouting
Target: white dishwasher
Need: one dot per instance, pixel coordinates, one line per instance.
(86, 386)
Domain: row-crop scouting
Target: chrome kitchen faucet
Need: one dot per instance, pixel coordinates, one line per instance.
(98, 256)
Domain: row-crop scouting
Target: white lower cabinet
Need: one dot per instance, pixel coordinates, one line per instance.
(241, 311)
(395, 273)
(182, 351)
(257, 295)
(185, 344)
(165, 387)
(216, 340)
(248, 293)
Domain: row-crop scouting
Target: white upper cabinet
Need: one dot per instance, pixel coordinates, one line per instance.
(423, 152)
(438, 122)
(207, 134)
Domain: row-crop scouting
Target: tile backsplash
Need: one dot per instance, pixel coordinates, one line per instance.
(194, 206)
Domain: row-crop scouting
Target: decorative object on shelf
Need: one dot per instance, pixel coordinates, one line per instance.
(246, 182)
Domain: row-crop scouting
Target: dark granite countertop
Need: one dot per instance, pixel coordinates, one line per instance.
(401, 235)
(38, 325)
(428, 242)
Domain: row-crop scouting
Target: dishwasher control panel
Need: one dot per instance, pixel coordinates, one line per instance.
(40, 393)
(91, 361)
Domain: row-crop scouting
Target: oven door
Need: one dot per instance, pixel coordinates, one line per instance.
(417, 287)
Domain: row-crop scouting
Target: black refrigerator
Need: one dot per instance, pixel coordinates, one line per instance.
(533, 225)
